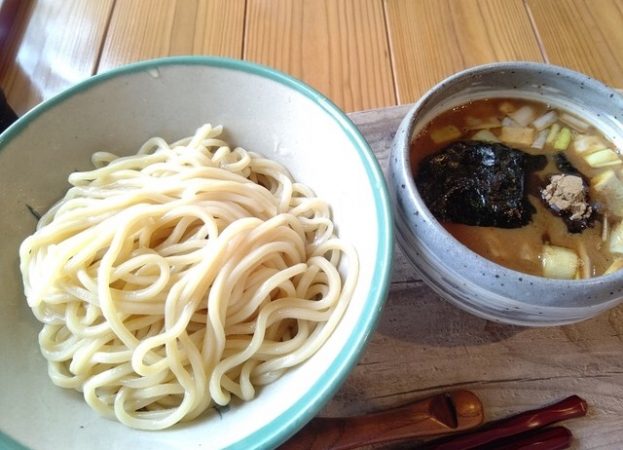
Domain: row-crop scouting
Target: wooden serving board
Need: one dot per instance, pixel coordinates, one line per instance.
(424, 345)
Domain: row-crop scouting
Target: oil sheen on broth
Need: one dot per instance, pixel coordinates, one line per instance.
(544, 246)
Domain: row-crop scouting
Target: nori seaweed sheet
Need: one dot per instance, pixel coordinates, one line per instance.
(478, 183)
(564, 165)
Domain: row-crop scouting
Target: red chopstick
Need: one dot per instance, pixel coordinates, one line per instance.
(552, 438)
(568, 408)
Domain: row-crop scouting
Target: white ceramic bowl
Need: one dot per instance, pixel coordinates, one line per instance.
(264, 111)
(461, 276)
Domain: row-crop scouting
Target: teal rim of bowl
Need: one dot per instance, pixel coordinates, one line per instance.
(286, 424)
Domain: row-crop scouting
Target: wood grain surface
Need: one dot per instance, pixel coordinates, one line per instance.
(431, 39)
(424, 345)
(52, 46)
(338, 47)
(585, 35)
(362, 54)
(153, 28)
(367, 54)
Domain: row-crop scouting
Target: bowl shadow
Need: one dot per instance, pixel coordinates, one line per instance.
(415, 313)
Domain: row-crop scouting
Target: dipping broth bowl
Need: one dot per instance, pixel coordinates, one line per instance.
(262, 110)
(458, 274)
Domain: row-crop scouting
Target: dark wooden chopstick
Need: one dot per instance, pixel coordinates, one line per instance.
(512, 426)
(551, 438)
(433, 416)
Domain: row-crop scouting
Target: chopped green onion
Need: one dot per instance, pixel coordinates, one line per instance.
(553, 132)
(563, 139)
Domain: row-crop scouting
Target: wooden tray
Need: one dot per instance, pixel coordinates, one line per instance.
(423, 345)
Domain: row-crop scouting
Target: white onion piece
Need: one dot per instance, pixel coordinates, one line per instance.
(508, 122)
(539, 141)
(523, 116)
(546, 120)
(574, 122)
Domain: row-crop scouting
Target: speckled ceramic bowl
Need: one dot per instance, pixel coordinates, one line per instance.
(455, 272)
(264, 111)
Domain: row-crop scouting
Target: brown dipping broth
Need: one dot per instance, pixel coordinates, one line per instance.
(520, 248)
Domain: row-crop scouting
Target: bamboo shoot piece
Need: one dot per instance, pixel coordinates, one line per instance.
(615, 243)
(603, 158)
(559, 262)
(507, 107)
(474, 123)
(485, 136)
(610, 190)
(445, 134)
(587, 143)
(616, 265)
(519, 135)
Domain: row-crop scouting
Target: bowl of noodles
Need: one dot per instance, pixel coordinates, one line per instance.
(195, 251)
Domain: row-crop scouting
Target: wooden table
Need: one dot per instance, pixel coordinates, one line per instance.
(423, 345)
(363, 54)
(371, 55)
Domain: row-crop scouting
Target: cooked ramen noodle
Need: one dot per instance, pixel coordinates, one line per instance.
(172, 279)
